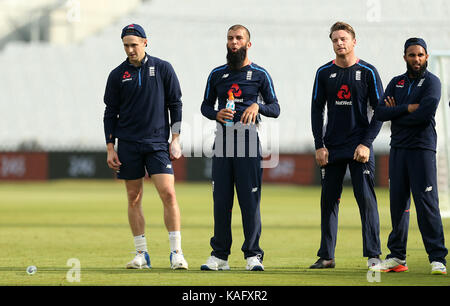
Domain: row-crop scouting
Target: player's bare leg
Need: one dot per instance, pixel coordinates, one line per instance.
(135, 189)
(165, 185)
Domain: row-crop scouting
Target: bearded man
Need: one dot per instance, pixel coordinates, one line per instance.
(237, 156)
(410, 103)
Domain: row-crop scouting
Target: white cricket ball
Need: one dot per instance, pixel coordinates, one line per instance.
(31, 270)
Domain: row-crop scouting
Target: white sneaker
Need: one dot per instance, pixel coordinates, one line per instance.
(177, 261)
(390, 265)
(140, 261)
(214, 264)
(254, 264)
(373, 261)
(438, 268)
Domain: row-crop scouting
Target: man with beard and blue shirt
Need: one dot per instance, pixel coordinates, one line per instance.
(143, 106)
(345, 92)
(410, 103)
(237, 155)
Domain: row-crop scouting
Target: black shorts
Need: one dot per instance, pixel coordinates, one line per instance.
(136, 158)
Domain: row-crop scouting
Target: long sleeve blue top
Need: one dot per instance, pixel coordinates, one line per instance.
(250, 84)
(139, 101)
(342, 107)
(414, 130)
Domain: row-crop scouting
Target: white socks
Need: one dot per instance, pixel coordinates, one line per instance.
(174, 240)
(140, 243)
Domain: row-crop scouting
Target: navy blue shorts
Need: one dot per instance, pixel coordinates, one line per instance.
(136, 158)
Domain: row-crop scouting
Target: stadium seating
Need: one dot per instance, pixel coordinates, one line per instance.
(53, 94)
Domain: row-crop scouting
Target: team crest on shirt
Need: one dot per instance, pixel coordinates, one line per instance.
(151, 71)
(344, 96)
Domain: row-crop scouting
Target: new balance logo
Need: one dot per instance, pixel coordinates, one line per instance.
(366, 172)
(169, 166)
(429, 188)
(255, 189)
(225, 76)
(333, 75)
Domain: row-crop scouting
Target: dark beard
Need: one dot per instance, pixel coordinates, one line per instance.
(236, 59)
(416, 73)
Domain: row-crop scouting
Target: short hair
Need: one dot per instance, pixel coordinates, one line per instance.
(240, 26)
(340, 25)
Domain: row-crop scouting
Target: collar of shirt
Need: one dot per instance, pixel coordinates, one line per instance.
(144, 60)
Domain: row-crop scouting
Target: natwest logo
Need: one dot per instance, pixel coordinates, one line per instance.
(400, 83)
(344, 96)
(344, 93)
(126, 75)
(237, 92)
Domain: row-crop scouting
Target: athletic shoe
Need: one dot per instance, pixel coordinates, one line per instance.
(438, 268)
(177, 261)
(254, 264)
(392, 264)
(323, 263)
(214, 264)
(140, 261)
(373, 261)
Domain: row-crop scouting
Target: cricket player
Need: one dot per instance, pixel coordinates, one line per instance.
(410, 103)
(140, 95)
(345, 93)
(237, 156)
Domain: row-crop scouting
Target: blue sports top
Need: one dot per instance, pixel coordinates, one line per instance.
(414, 130)
(138, 102)
(250, 84)
(343, 102)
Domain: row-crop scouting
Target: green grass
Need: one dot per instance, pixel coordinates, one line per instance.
(45, 224)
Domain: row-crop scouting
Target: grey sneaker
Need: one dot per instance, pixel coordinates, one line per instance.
(215, 264)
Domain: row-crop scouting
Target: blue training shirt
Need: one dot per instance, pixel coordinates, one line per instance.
(250, 84)
(139, 100)
(414, 130)
(343, 102)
